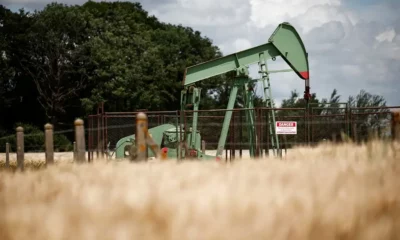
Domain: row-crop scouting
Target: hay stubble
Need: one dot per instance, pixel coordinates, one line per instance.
(325, 193)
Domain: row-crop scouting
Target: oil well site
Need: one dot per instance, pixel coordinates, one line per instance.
(117, 125)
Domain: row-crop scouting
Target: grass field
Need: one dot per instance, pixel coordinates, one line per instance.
(329, 192)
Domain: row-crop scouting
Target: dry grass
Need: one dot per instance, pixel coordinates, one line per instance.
(342, 192)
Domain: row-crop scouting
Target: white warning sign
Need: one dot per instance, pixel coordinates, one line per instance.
(286, 127)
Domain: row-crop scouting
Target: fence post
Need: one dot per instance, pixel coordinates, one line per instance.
(49, 143)
(20, 148)
(396, 126)
(140, 137)
(80, 140)
(74, 151)
(7, 155)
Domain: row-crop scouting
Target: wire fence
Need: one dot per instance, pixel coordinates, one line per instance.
(313, 126)
(104, 130)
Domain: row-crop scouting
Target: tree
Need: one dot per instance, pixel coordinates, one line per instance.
(5, 69)
(139, 61)
(369, 114)
(72, 57)
(56, 56)
(328, 118)
(16, 95)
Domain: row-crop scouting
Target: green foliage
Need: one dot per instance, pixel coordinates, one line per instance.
(139, 62)
(55, 56)
(62, 61)
(365, 99)
(370, 118)
(329, 116)
(16, 88)
(34, 140)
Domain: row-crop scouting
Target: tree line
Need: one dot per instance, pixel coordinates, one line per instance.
(59, 63)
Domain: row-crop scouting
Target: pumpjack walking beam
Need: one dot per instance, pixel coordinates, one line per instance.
(285, 42)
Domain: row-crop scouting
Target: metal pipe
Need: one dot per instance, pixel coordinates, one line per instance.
(329, 115)
(370, 113)
(365, 108)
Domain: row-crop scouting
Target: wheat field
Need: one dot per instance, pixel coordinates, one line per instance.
(330, 192)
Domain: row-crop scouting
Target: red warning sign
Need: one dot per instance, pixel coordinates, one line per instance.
(286, 127)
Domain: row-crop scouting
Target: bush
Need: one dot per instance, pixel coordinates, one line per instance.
(34, 140)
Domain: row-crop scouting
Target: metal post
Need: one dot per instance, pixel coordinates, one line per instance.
(354, 126)
(20, 148)
(80, 140)
(7, 155)
(305, 126)
(140, 138)
(203, 147)
(49, 144)
(267, 135)
(241, 134)
(261, 122)
(233, 135)
(311, 126)
(348, 119)
(259, 134)
(178, 137)
(104, 131)
(98, 146)
(396, 126)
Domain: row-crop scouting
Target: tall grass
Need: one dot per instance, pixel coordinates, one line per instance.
(330, 192)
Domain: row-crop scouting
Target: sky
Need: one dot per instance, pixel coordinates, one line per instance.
(351, 44)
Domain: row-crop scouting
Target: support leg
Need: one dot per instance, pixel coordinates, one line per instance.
(227, 120)
(250, 119)
(267, 98)
(196, 103)
(272, 123)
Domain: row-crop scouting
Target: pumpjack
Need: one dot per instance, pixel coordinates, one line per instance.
(285, 42)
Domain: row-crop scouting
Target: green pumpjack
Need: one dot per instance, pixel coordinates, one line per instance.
(165, 136)
(285, 42)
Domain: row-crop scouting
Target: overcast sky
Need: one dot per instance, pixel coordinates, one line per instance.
(352, 44)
